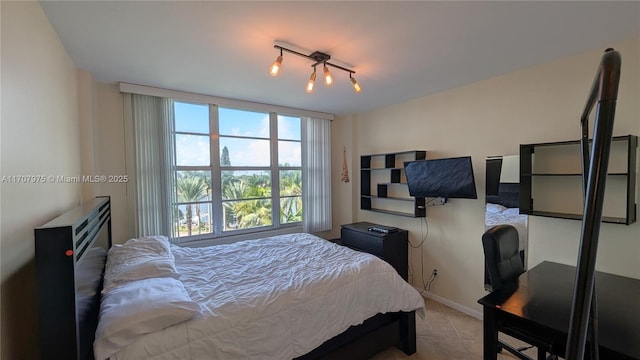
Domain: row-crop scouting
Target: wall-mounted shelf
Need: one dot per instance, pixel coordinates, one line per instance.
(383, 184)
(551, 180)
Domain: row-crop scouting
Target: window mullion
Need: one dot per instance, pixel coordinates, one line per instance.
(275, 175)
(216, 173)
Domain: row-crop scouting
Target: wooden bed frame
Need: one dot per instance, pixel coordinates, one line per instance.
(70, 258)
(71, 251)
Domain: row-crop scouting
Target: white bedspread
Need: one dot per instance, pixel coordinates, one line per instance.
(274, 298)
(509, 216)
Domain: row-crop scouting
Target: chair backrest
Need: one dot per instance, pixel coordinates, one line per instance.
(502, 258)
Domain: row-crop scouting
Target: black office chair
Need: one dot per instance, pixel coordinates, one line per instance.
(503, 265)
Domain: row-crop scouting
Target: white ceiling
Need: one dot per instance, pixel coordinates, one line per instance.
(399, 50)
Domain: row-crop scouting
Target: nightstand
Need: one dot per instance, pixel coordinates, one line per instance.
(392, 247)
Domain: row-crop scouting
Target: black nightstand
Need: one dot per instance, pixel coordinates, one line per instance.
(392, 247)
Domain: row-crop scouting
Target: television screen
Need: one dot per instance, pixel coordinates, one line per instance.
(445, 178)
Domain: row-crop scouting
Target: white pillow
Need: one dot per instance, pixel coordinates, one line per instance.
(495, 208)
(140, 307)
(511, 212)
(139, 259)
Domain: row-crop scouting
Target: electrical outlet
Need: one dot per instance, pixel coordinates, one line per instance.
(435, 272)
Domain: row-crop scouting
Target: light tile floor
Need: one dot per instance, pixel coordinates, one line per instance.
(447, 334)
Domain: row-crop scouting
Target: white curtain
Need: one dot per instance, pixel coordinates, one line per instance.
(150, 148)
(316, 174)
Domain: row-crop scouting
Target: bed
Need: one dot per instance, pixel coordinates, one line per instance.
(502, 195)
(496, 214)
(502, 198)
(307, 308)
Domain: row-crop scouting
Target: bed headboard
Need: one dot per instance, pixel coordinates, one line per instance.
(497, 191)
(70, 254)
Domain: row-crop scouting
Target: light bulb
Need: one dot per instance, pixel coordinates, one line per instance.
(328, 79)
(312, 80)
(356, 86)
(275, 67)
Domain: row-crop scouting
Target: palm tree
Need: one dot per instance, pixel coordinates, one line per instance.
(291, 209)
(252, 213)
(247, 201)
(291, 183)
(290, 195)
(191, 188)
(259, 185)
(232, 189)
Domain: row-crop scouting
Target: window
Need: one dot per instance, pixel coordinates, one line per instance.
(290, 170)
(236, 170)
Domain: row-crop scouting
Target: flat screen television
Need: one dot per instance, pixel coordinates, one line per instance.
(446, 178)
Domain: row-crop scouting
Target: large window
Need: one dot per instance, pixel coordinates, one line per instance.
(236, 170)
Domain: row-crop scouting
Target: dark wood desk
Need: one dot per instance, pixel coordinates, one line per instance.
(538, 311)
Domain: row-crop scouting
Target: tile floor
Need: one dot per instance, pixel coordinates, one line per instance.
(446, 334)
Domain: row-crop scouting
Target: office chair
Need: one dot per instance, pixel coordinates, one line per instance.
(504, 266)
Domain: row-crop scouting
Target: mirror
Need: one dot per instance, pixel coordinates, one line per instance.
(503, 196)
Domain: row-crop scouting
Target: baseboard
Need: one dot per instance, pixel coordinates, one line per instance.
(463, 309)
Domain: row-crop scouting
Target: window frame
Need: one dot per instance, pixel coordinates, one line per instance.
(215, 169)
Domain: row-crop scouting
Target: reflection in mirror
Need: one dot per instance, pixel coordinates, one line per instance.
(503, 196)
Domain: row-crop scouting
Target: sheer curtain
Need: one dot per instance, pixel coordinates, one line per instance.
(150, 148)
(316, 174)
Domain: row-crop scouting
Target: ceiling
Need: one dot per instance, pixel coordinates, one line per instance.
(399, 50)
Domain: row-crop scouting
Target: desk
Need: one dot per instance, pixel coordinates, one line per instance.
(538, 312)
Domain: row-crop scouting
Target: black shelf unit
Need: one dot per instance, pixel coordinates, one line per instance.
(557, 173)
(393, 165)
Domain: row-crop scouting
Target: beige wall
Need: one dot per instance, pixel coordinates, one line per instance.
(102, 140)
(493, 117)
(110, 157)
(87, 109)
(39, 136)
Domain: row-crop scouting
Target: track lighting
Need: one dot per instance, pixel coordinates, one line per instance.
(312, 80)
(356, 86)
(275, 67)
(328, 79)
(318, 58)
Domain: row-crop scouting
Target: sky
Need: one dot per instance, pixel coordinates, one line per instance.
(193, 149)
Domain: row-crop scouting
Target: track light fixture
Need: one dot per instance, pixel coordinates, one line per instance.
(275, 67)
(328, 79)
(356, 86)
(318, 58)
(312, 80)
